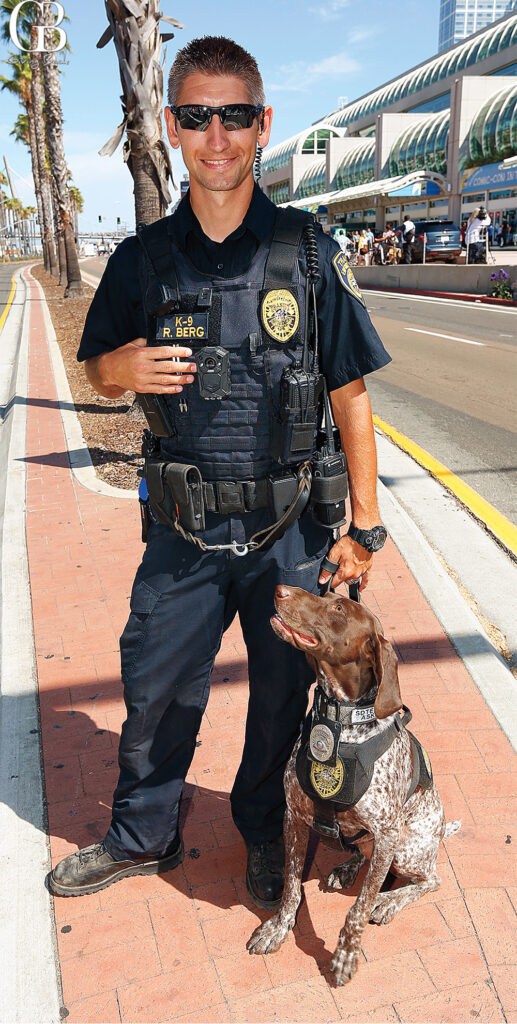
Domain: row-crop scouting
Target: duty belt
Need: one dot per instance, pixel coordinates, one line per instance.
(229, 496)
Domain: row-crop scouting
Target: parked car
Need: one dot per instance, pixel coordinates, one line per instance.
(442, 243)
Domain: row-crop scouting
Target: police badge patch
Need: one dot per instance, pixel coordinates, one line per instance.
(327, 781)
(280, 314)
(343, 271)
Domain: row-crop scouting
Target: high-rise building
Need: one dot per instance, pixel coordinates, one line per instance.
(460, 18)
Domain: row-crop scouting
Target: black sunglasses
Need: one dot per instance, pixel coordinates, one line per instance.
(233, 116)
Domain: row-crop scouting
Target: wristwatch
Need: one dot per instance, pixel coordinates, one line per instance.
(372, 540)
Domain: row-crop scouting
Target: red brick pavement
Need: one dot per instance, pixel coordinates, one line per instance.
(172, 948)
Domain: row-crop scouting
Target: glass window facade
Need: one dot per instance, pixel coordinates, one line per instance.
(422, 146)
(312, 140)
(493, 133)
(312, 181)
(279, 193)
(460, 18)
(357, 166)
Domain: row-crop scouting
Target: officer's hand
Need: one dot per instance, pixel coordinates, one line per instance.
(137, 367)
(354, 563)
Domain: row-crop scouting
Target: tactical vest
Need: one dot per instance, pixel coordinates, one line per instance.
(335, 775)
(231, 438)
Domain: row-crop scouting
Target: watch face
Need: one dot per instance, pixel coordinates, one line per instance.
(376, 539)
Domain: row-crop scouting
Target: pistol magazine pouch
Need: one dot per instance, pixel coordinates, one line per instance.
(175, 493)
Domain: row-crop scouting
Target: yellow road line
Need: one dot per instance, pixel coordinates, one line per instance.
(3, 318)
(501, 527)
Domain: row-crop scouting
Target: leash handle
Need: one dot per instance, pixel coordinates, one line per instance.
(353, 588)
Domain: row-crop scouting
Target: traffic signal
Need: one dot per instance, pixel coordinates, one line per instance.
(100, 219)
(118, 221)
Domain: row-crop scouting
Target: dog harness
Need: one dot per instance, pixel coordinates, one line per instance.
(335, 774)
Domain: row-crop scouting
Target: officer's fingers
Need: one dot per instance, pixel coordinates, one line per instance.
(364, 581)
(139, 342)
(170, 366)
(165, 379)
(170, 352)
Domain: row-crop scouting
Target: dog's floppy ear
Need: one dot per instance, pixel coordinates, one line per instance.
(388, 698)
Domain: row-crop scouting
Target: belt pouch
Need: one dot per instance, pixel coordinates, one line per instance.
(282, 490)
(185, 485)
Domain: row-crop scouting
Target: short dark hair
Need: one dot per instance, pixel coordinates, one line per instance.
(215, 55)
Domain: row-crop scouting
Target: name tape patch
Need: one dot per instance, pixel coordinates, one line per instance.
(363, 715)
(183, 327)
(343, 271)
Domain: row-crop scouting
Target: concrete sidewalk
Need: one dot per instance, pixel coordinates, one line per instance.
(172, 948)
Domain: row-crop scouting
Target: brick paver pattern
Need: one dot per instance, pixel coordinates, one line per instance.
(172, 948)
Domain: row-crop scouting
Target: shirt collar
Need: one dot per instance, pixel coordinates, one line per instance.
(259, 219)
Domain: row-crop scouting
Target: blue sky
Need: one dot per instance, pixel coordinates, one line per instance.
(311, 53)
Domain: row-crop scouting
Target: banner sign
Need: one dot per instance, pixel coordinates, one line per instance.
(419, 188)
(491, 176)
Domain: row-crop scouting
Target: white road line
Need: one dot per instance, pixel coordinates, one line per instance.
(450, 337)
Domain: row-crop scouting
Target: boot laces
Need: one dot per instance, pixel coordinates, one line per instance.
(91, 853)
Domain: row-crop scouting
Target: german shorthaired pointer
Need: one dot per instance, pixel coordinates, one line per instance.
(355, 775)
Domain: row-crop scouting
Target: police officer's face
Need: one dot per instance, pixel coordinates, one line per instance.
(216, 159)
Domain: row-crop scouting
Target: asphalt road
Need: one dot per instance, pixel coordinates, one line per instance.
(456, 400)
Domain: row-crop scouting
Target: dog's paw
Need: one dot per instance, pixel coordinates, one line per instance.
(344, 966)
(268, 937)
(385, 909)
(344, 875)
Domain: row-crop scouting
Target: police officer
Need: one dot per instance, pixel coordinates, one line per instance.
(214, 251)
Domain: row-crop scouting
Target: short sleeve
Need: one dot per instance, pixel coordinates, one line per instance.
(349, 344)
(116, 314)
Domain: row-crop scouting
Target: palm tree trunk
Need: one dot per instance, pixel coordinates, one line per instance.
(58, 165)
(135, 28)
(47, 241)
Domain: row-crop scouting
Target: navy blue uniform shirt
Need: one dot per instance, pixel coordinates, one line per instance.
(349, 344)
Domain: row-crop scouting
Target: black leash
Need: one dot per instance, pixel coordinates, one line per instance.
(353, 588)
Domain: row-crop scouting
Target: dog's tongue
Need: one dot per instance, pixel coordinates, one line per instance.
(294, 632)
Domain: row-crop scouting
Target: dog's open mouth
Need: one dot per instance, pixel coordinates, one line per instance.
(308, 641)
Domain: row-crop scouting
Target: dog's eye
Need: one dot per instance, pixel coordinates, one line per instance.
(339, 607)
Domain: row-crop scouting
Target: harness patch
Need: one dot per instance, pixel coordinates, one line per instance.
(327, 781)
(182, 327)
(280, 314)
(345, 275)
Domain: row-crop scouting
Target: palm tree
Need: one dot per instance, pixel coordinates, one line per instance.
(3, 215)
(26, 84)
(45, 186)
(77, 203)
(134, 26)
(54, 124)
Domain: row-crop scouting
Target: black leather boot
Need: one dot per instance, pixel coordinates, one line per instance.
(265, 872)
(93, 868)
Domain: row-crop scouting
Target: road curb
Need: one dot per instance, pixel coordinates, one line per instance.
(486, 666)
(78, 452)
(461, 296)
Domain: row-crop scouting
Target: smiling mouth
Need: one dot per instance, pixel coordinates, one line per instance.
(309, 641)
(218, 163)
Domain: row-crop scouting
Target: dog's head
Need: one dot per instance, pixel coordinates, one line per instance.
(344, 639)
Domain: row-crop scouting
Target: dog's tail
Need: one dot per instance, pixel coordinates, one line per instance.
(451, 828)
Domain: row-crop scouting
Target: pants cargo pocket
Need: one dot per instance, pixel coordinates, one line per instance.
(142, 605)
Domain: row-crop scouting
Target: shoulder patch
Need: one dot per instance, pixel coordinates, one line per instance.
(345, 275)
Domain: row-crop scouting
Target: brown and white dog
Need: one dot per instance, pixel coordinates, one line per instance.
(343, 642)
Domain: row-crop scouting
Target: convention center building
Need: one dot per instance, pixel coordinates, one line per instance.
(435, 142)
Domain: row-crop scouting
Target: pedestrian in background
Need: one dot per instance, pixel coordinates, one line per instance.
(408, 237)
(475, 235)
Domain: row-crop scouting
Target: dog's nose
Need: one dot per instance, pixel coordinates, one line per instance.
(282, 592)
